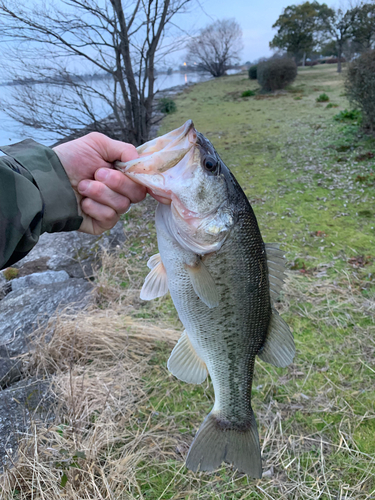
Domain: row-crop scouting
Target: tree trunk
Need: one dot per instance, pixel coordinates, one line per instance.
(304, 59)
(339, 53)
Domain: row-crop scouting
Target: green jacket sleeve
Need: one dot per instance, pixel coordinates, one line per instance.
(35, 197)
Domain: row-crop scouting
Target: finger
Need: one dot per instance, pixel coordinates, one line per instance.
(121, 184)
(111, 150)
(103, 215)
(102, 194)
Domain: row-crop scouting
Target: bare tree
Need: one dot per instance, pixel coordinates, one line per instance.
(86, 59)
(217, 46)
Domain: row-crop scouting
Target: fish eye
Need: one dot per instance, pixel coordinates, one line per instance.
(210, 164)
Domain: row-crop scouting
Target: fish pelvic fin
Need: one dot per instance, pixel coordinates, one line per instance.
(276, 268)
(156, 282)
(220, 441)
(203, 284)
(278, 349)
(185, 364)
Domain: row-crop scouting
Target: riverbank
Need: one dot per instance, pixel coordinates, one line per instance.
(124, 424)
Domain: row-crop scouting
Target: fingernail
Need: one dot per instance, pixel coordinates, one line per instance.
(83, 186)
(101, 174)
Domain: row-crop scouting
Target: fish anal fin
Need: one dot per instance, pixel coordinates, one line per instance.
(156, 283)
(278, 349)
(185, 364)
(215, 443)
(203, 284)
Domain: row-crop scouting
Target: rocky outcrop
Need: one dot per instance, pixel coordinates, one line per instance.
(25, 402)
(25, 309)
(74, 252)
(56, 275)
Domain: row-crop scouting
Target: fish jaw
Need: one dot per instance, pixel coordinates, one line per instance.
(163, 160)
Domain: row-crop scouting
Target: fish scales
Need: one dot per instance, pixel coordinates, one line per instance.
(221, 277)
(239, 326)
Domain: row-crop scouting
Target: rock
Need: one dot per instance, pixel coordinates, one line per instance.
(74, 252)
(37, 279)
(25, 402)
(23, 310)
(5, 287)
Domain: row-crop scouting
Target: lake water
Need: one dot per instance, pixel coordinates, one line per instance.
(11, 131)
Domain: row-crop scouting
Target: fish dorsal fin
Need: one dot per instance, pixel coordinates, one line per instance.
(156, 282)
(203, 284)
(276, 268)
(153, 261)
(185, 364)
(279, 348)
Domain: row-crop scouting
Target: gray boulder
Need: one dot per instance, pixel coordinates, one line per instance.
(23, 310)
(74, 252)
(38, 279)
(26, 401)
(4, 286)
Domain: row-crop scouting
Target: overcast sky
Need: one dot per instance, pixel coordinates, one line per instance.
(256, 18)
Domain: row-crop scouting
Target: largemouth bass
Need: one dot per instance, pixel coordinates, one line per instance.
(223, 280)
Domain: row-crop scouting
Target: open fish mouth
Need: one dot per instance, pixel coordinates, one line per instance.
(163, 160)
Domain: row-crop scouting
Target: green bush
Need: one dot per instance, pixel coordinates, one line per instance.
(166, 105)
(331, 105)
(248, 93)
(276, 74)
(322, 98)
(360, 87)
(253, 73)
(346, 115)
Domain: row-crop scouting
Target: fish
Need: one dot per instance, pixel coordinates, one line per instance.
(223, 280)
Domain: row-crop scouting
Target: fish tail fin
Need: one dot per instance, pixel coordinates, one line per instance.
(218, 441)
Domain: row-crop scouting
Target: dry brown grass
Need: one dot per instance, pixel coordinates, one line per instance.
(96, 362)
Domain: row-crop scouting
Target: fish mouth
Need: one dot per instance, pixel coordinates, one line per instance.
(163, 160)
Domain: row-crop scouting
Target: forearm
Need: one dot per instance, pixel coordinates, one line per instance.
(35, 197)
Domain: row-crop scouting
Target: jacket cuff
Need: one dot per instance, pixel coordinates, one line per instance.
(60, 209)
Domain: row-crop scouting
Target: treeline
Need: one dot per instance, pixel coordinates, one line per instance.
(312, 30)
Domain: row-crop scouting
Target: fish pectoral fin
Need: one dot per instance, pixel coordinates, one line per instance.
(185, 364)
(156, 282)
(203, 284)
(278, 349)
(276, 268)
(154, 261)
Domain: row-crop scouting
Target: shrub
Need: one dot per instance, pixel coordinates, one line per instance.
(331, 105)
(253, 73)
(346, 115)
(360, 87)
(335, 60)
(276, 74)
(309, 63)
(248, 93)
(322, 98)
(166, 105)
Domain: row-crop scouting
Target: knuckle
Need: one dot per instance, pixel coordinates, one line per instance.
(95, 136)
(96, 189)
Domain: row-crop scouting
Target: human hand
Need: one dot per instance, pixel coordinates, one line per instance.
(103, 194)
